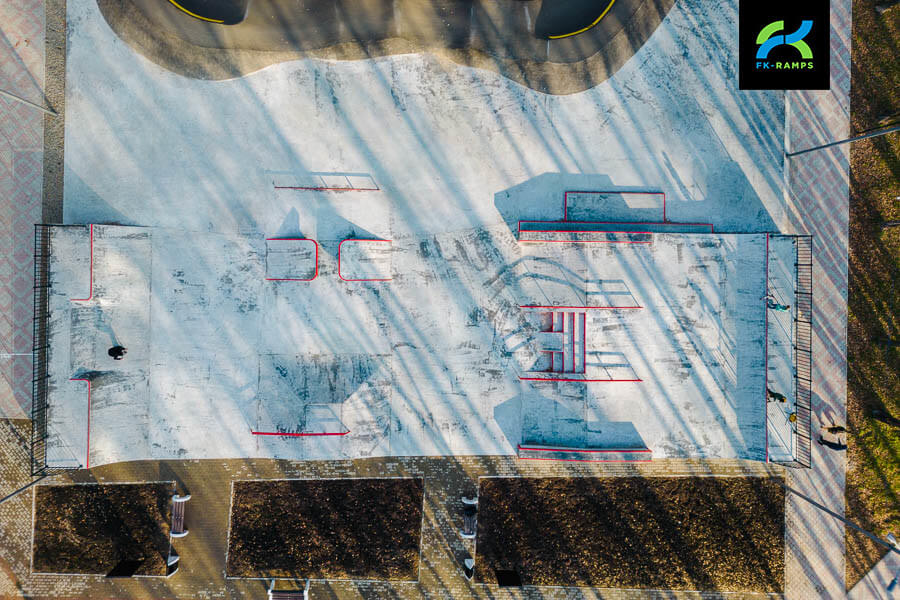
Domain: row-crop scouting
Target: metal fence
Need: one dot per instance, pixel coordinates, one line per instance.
(40, 379)
(803, 349)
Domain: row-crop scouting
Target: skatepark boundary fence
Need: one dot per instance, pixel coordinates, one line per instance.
(803, 349)
(40, 328)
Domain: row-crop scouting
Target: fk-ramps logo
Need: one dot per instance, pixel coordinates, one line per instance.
(784, 45)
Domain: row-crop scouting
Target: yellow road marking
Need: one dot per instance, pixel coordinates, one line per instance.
(196, 16)
(556, 37)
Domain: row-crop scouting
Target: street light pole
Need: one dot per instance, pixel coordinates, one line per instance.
(891, 547)
(24, 101)
(847, 141)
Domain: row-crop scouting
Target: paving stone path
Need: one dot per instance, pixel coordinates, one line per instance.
(21, 157)
(818, 200)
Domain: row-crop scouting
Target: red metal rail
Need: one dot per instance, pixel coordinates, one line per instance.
(579, 307)
(565, 219)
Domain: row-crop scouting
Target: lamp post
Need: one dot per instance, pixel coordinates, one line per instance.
(846, 141)
(24, 101)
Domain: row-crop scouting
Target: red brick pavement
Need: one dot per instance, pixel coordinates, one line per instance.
(21, 145)
(818, 197)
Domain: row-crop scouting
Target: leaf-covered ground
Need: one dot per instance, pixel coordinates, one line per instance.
(697, 533)
(90, 528)
(326, 529)
(873, 345)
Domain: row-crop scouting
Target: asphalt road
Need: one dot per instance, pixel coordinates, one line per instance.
(513, 29)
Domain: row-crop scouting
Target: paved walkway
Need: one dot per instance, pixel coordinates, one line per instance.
(818, 194)
(21, 157)
(874, 586)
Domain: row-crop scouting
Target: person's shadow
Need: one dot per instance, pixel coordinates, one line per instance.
(106, 327)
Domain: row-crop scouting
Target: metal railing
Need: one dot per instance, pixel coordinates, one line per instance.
(801, 352)
(40, 378)
(803, 349)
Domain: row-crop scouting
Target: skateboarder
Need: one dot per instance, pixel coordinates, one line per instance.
(777, 307)
(773, 305)
(117, 352)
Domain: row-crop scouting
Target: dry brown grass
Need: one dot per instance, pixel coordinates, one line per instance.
(697, 533)
(873, 403)
(326, 529)
(90, 528)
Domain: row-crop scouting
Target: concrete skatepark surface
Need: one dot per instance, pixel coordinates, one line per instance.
(449, 146)
(454, 153)
(428, 363)
(505, 36)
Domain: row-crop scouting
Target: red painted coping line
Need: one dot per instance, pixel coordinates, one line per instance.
(567, 192)
(561, 449)
(579, 307)
(339, 259)
(609, 223)
(667, 223)
(294, 434)
(315, 243)
(88, 453)
(766, 351)
(91, 295)
(580, 380)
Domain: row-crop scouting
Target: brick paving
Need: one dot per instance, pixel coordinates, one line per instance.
(21, 144)
(818, 203)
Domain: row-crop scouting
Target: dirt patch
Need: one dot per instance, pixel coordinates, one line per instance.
(326, 529)
(698, 533)
(91, 528)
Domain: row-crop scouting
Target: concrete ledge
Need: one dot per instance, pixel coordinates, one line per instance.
(537, 452)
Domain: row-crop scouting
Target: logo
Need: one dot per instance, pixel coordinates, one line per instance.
(784, 45)
(768, 40)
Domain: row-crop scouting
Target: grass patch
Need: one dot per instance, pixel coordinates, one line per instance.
(697, 533)
(90, 528)
(326, 529)
(873, 394)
